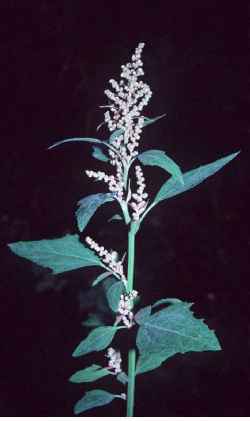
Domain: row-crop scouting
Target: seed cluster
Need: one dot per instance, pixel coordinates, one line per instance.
(139, 203)
(115, 360)
(125, 306)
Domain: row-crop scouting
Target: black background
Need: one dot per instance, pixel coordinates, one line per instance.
(56, 59)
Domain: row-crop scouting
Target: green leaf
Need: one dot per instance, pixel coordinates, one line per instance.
(97, 340)
(100, 278)
(60, 254)
(143, 314)
(166, 301)
(88, 206)
(158, 158)
(174, 330)
(93, 399)
(122, 377)
(92, 321)
(149, 361)
(97, 153)
(79, 139)
(115, 217)
(89, 374)
(114, 293)
(191, 179)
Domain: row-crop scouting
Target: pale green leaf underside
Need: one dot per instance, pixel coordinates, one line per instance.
(114, 293)
(166, 301)
(115, 217)
(158, 158)
(93, 399)
(100, 278)
(97, 340)
(97, 153)
(89, 374)
(191, 179)
(122, 377)
(170, 331)
(60, 254)
(89, 205)
(92, 321)
(79, 139)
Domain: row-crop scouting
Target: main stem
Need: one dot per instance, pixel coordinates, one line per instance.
(131, 352)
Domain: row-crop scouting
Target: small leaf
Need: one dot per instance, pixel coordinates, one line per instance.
(122, 377)
(115, 217)
(92, 321)
(93, 399)
(191, 179)
(174, 330)
(97, 153)
(100, 278)
(114, 293)
(79, 139)
(143, 314)
(89, 374)
(166, 301)
(88, 206)
(158, 158)
(60, 254)
(97, 340)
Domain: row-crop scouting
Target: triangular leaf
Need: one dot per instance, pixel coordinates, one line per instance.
(60, 254)
(175, 330)
(97, 340)
(114, 293)
(100, 278)
(191, 179)
(93, 399)
(88, 206)
(97, 153)
(89, 374)
(149, 361)
(158, 158)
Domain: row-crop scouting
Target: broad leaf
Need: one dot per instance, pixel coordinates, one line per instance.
(158, 158)
(89, 374)
(88, 206)
(143, 314)
(149, 361)
(122, 377)
(60, 254)
(114, 293)
(100, 278)
(191, 179)
(97, 340)
(97, 153)
(93, 399)
(174, 330)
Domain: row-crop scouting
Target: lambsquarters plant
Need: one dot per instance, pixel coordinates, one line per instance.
(166, 327)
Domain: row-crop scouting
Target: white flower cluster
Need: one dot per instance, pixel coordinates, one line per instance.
(114, 360)
(124, 308)
(115, 184)
(109, 258)
(128, 99)
(139, 204)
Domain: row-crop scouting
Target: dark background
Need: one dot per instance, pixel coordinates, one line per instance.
(56, 60)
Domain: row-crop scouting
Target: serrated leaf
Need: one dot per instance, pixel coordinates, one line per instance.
(114, 293)
(92, 321)
(93, 399)
(97, 153)
(174, 330)
(158, 158)
(122, 377)
(191, 179)
(60, 254)
(100, 278)
(97, 340)
(166, 301)
(143, 314)
(115, 217)
(89, 374)
(89, 205)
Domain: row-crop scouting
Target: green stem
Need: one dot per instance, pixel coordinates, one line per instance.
(132, 353)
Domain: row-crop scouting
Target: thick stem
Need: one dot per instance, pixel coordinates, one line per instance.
(132, 353)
